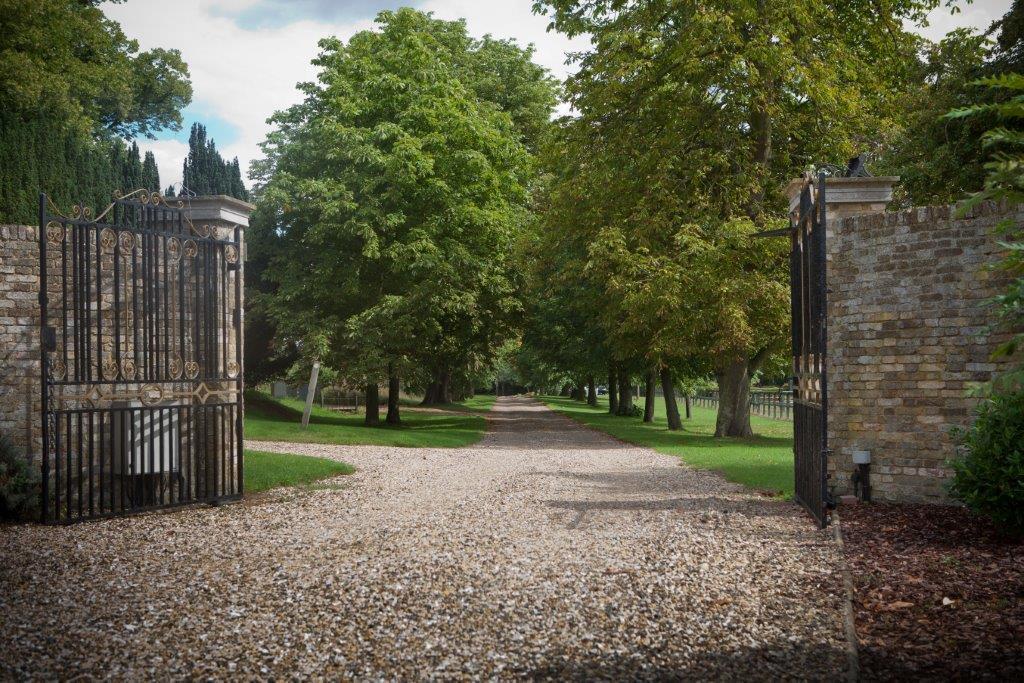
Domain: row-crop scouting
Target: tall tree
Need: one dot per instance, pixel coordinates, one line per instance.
(397, 190)
(72, 85)
(691, 117)
(206, 172)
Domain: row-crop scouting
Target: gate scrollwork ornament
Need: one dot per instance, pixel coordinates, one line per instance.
(231, 254)
(191, 249)
(175, 366)
(110, 369)
(128, 368)
(54, 233)
(58, 369)
(174, 248)
(127, 243)
(108, 238)
(191, 369)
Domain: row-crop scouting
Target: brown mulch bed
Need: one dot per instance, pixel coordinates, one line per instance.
(939, 594)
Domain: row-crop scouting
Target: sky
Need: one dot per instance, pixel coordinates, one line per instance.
(246, 56)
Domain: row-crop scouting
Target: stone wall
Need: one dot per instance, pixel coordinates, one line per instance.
(19, 337)
(907, 340)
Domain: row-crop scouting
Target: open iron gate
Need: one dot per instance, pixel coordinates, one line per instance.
(809, 302)
(141, 359)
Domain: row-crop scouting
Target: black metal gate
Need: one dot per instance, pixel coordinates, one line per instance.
(810, 342)
(141, 359)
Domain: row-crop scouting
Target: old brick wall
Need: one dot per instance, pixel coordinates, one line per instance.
(907, 339)
(19, 337)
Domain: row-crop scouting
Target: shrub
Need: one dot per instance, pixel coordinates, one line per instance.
(989, 478)
(19, 482)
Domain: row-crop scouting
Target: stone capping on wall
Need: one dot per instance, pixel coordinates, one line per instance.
(926, 214)
(219, 208)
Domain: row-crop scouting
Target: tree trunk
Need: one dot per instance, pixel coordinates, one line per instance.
(372, 404)
(625, 394)
(671, 408)
(613, 399)
(734, 399)
(393, 417)
(579, 392)
(591, 391)
(566, 390)
(446, 387)
(687, 401)
(652, 381)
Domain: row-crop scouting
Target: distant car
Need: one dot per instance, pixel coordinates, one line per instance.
(601, 391)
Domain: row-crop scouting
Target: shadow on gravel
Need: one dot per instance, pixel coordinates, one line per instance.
(789, 661)
(681, 505)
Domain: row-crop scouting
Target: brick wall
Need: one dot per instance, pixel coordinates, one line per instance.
(907, 340)
(19, 337)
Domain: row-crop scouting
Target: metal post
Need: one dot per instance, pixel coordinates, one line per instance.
(310, 392)
(822, 257)
(43, 394)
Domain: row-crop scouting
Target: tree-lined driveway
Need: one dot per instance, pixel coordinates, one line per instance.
(546, 550)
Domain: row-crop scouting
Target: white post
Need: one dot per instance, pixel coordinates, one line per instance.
(310, 392)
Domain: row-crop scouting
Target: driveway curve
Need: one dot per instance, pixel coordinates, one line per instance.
(547, 550)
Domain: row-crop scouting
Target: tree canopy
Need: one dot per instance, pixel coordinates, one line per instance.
(393, 196)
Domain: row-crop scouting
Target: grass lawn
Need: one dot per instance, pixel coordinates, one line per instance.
(764, 462)
(264, 471)
(278, 419)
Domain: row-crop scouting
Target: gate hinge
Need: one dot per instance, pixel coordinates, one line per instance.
(49, 339)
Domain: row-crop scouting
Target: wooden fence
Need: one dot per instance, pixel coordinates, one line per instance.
(777, 405)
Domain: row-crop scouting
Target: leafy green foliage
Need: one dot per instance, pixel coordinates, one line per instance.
(940, 159)
(40, 155)
(990, 477)
(71, 85)
(691, 117)
(1004, 181)
(19, 482)
(205, 172)
(393, 196)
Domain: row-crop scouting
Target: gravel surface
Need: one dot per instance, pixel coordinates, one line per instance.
(545, 551)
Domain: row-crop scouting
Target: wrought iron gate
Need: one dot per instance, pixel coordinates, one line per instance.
(141, 359)
(810, 343)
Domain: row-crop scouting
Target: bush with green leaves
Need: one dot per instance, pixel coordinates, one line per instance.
(989, 478)
(19, 482)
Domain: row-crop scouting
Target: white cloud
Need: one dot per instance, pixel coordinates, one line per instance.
(979, 15)
(243, 76)
(170, 155)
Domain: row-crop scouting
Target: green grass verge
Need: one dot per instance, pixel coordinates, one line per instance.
(764, 462)
(278, 419)
(264, 471)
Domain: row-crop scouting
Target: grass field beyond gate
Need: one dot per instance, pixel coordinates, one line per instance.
(764, 462)
(278, 419)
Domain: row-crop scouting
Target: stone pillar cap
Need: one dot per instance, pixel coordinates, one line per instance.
(847, 194)
(217, 208)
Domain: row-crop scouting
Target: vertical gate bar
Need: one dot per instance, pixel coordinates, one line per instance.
(64, 299)
(189, 470)
(67, 466)
(99, 305)
(92, 455)
(44, 396)
(164, 469)
(104, 453)
(80, 455)
(165, 277)
(823, 327)
(74, 303)
(135, 317)
(239, 397)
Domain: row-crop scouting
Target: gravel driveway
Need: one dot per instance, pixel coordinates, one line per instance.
(546, 550)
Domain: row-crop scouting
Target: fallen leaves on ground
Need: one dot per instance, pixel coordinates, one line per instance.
(939, 594)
